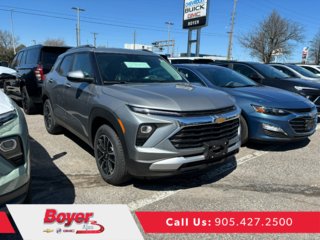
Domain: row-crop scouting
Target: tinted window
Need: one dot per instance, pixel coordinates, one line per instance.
(315, 71)
(135, 68)
(50, 54)
(224, 77)
(285, 71)
(82, 63)
(303, 71)
(268, 71)
(191, 76)
(33, 56)
(66, 65)
(244, 70)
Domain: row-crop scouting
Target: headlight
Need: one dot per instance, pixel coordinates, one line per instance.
(6, 117)
(300, 88)
(270, 111)
(153, 111)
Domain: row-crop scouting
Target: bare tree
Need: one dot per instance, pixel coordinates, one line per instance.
(6, 46)
(315, 48)
(54, 42)
(274, 34)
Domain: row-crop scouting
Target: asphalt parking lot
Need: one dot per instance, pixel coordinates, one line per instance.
(279, 177)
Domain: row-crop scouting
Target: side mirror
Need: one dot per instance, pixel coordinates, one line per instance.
(255, 77)
(79, 76)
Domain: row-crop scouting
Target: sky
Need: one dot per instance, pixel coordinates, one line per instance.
(116, 21)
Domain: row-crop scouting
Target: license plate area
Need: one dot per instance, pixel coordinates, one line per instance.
(216, 149)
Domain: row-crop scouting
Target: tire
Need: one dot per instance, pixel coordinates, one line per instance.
(27, 104)
(49, 119)
(244, 131)
(110, 156)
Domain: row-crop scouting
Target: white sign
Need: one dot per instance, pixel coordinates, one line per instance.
(76, 222)
(195, 13)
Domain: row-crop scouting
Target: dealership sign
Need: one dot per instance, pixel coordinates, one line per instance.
(195, 13)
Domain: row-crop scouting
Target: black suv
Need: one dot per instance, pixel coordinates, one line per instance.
(141, 117)
(268, 75)
(31, 64)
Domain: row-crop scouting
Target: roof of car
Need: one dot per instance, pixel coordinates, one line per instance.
(195, 65)
(110, 50)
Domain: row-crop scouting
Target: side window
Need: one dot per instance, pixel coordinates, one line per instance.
(311, 69)
(15, 60)
(285, 70)
(65, 66)
(190, 76)
(32, 56)
(82, 62)
(244, 70)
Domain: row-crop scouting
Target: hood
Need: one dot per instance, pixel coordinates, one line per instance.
(171, 96)
(7, 70)
(5, 104)
(272, 97)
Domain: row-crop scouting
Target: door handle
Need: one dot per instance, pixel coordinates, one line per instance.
(50, 81)
(68, 85)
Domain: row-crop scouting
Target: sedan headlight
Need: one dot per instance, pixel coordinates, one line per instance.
(270, 111)
(300, 88)
(6, 117)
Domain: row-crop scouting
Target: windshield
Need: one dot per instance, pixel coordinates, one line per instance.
(303, 71)
(224, 77)
(134, 68)
(269, 71)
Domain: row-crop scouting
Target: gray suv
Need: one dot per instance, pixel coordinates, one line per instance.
(140, 116)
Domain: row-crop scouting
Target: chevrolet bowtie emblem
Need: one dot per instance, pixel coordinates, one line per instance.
(220, 120)
(48, 230)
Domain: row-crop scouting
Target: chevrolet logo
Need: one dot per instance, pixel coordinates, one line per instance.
(220, 120)
(48, 230)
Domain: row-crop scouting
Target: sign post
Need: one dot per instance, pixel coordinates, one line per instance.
(195, 16)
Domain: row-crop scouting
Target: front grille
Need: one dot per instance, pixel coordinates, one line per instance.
(196, 136)
(303, 124)
(207, 112)
(300, 110)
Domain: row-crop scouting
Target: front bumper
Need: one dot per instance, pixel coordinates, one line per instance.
(14, 180)
(159, 157)
(259, 132)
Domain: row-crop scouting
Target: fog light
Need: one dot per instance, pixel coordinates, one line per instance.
(8, 145)
(144, 133)
(273, 128)
(146, 129)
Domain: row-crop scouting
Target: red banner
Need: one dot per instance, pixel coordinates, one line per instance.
(5, 225)
(230, 222)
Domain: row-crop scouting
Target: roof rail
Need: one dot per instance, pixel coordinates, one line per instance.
(85, 46)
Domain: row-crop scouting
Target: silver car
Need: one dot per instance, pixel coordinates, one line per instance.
(141, 117)
(14, 153)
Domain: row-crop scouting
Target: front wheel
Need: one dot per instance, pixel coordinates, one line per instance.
(244, 131)
(109, 156)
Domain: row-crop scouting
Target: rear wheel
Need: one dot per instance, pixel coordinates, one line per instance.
(49, 119)
(27, 104)
(244, 130)
(109, 156)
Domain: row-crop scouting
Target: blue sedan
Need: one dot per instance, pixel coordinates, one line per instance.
(268, 114)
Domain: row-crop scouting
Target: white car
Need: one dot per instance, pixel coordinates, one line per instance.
(295, 71)
(14, 154)
(6, 72)
(312, 68)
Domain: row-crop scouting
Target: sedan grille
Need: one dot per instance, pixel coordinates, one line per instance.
(196, 136)
(303, 124)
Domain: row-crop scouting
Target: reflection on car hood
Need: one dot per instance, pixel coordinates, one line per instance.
(271, 96)
(5, 104)
(170, 96)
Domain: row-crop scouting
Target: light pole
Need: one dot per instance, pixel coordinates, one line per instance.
(95, 38)
(12, 34)
(78, 23)
(169, 24)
